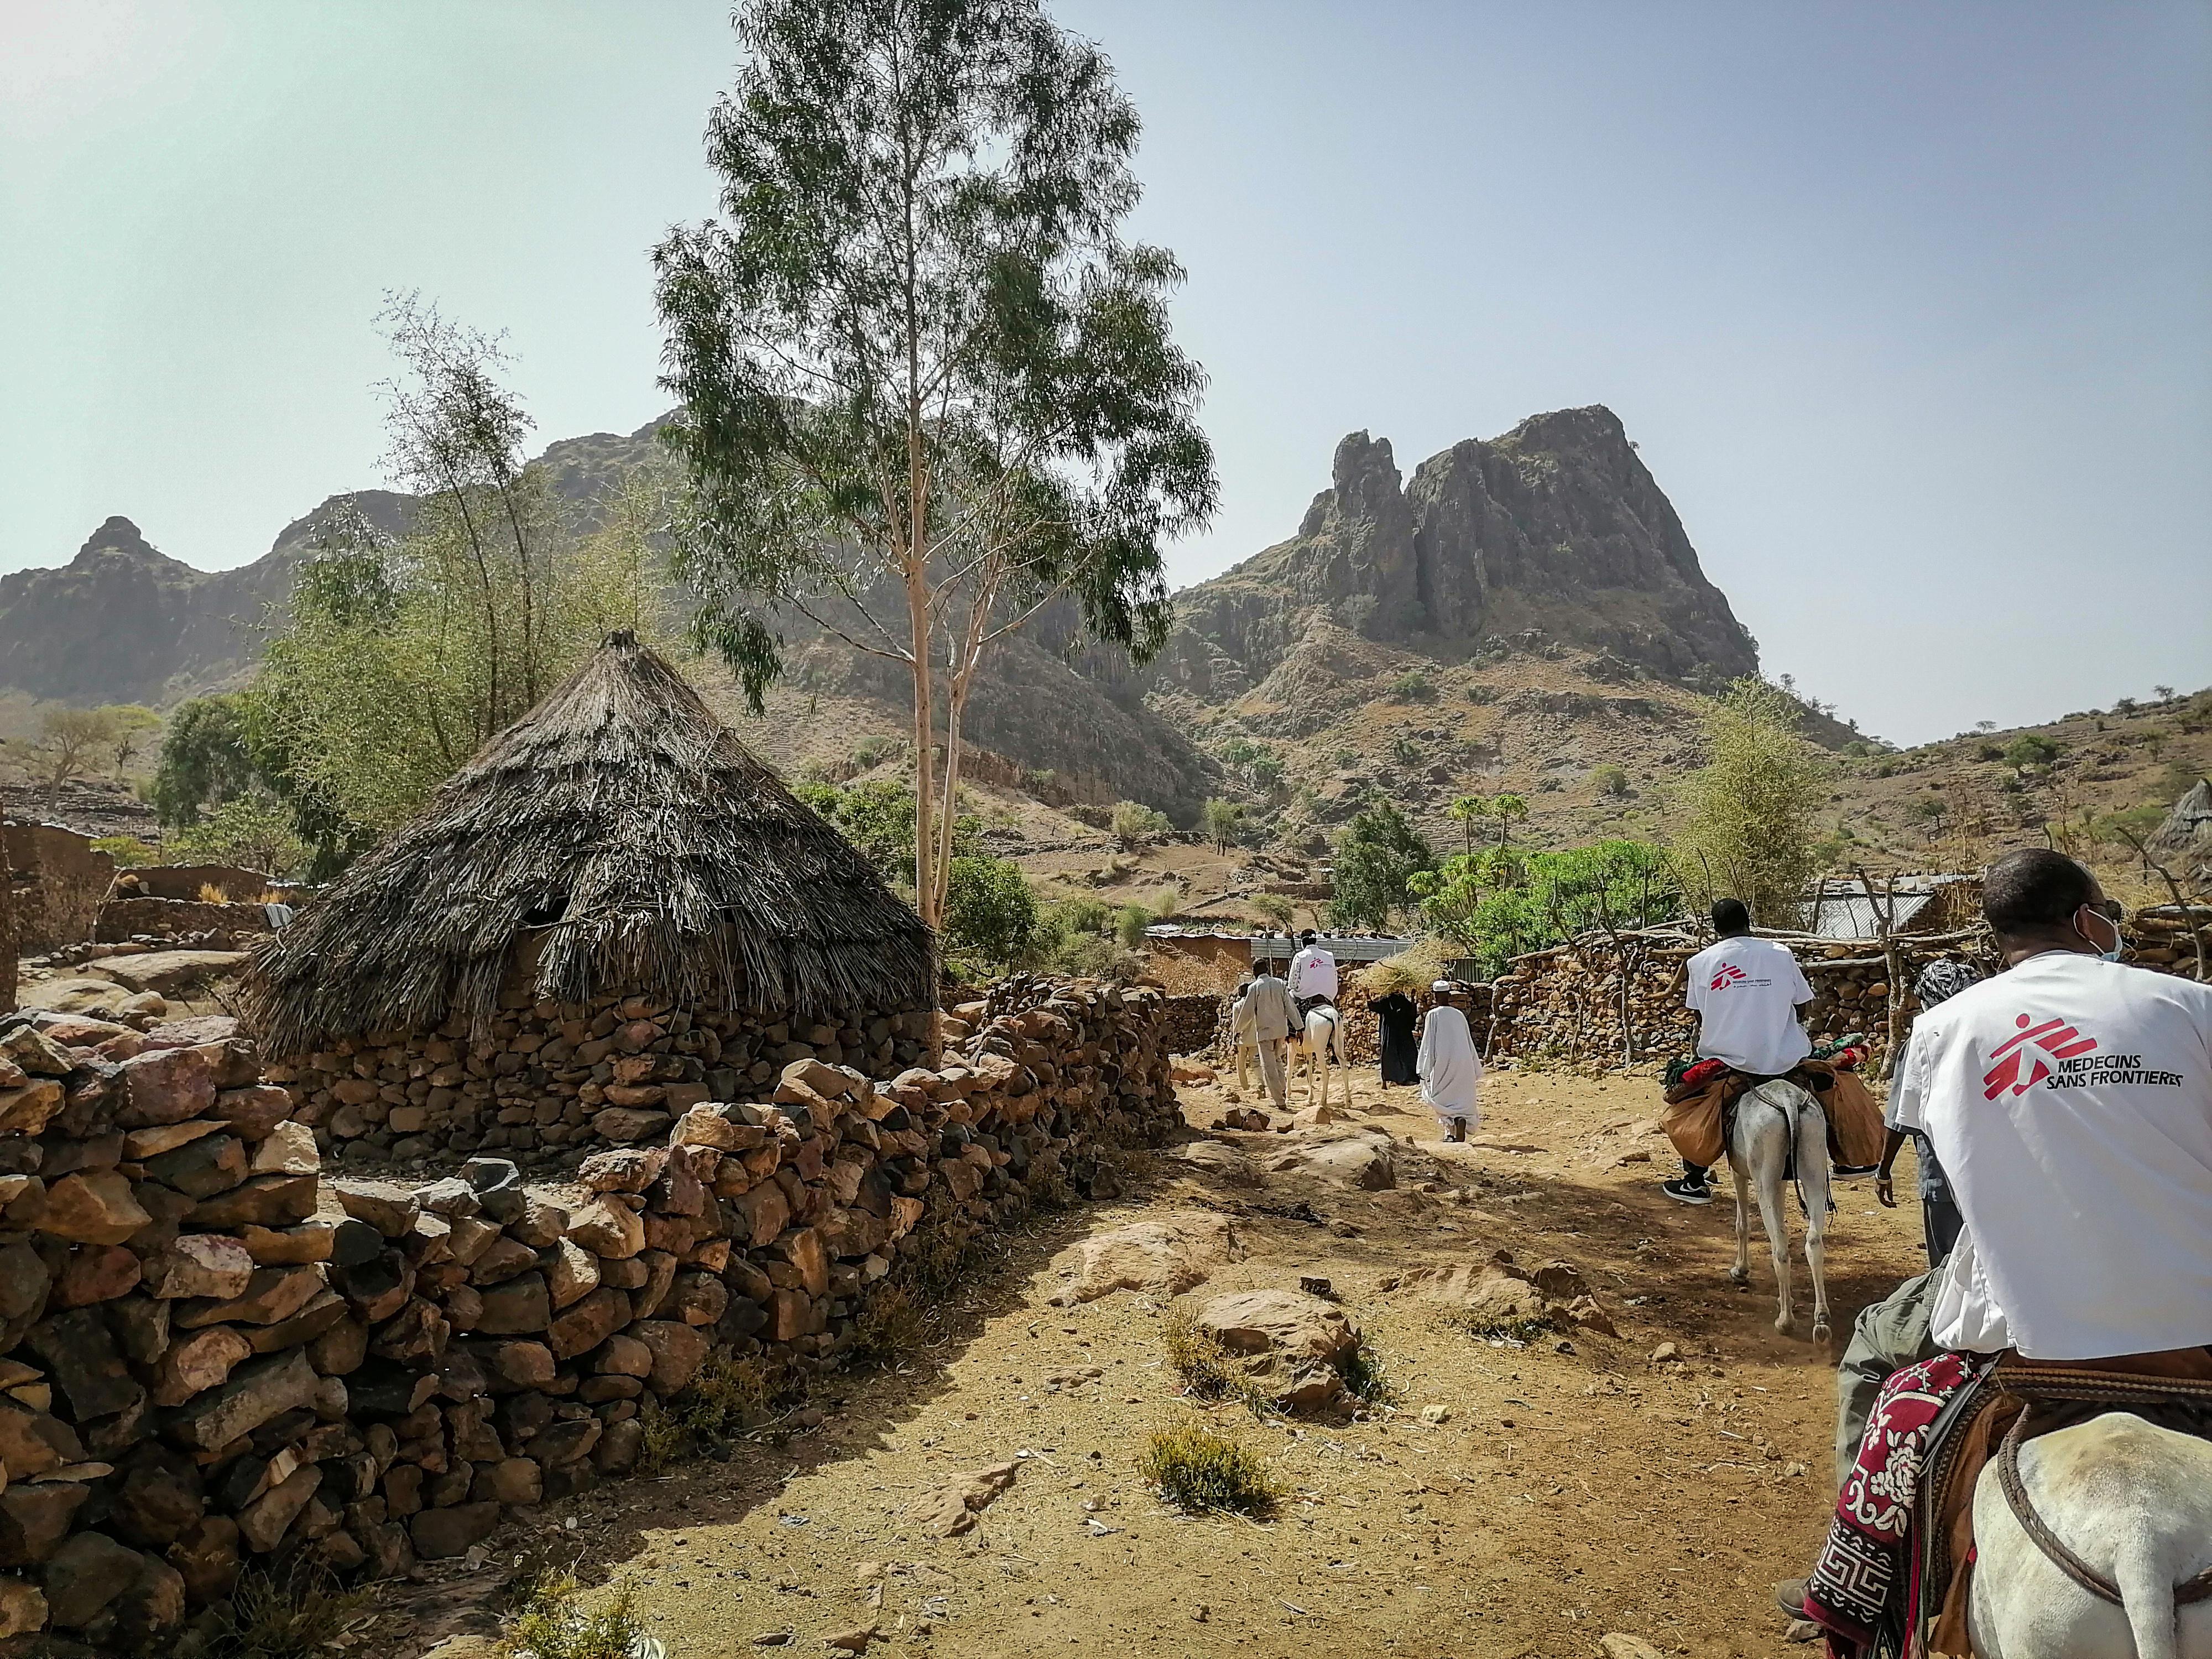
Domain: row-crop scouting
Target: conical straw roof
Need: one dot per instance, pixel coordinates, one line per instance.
(643, 848)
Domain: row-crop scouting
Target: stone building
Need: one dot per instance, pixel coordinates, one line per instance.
(612, 913)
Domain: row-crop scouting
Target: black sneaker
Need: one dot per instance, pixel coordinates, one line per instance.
(1685, 1191)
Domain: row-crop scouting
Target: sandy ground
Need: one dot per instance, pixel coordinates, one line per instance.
(1568, 1494)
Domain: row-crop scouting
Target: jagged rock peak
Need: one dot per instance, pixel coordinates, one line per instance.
(1556, 527)
(118, 535)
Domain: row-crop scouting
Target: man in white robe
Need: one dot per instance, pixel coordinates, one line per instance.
(1450, 1068)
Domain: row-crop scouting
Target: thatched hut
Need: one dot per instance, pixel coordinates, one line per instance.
(613, 912)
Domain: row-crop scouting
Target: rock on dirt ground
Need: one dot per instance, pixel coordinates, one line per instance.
(1592, 1503)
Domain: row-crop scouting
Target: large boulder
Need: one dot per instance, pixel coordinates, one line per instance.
(1166, 1254)
(1291, 1343)
(1361, 1157)
(169, 972)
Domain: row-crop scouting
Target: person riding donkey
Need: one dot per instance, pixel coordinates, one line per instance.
(1313, 975)
(2069, 1101)
(1748, 993)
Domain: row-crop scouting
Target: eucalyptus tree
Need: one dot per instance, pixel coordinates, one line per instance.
(926, 388)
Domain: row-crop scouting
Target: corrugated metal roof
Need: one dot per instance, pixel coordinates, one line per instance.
(1855, 916)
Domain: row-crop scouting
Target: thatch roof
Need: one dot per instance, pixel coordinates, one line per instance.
(644, 848)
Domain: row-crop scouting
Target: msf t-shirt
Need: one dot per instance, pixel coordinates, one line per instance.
(2071, 1103)
(1746, 992)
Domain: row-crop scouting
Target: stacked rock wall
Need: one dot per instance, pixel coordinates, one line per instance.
(618, 1071)
(211, 1355)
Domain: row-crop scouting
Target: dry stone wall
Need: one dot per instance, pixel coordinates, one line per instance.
(212, 1355)
(618, 1071)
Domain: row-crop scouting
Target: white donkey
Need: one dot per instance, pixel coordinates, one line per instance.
(1320, 1041)
(1769, 1120)
(2132, 1503)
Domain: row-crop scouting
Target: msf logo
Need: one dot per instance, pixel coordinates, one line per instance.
(2018, 1066)
(1729, 975)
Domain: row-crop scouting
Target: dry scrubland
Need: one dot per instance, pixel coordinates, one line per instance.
(1568, 1494)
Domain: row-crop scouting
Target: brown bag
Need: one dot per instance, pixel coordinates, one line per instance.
(1855, 1131)
(1693, 1124)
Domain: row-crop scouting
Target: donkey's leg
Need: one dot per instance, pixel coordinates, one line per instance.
(1739, 1275)
(1813, 1177)
(1773, 1158)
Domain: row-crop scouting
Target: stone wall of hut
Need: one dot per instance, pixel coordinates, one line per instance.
(550, 1076)
(213, 1354)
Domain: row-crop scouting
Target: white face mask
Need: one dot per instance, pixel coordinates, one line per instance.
(2118, 944)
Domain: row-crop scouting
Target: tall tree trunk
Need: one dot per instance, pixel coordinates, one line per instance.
(7, 925)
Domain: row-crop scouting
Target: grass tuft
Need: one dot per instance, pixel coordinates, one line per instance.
(892, 1325)
(554, 1624)
(1198, 1469)
(1366, 1374)
(291, 1612)
(1519, 1333)
(727, 1398)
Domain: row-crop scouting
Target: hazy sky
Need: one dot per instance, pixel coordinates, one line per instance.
(1910, 306)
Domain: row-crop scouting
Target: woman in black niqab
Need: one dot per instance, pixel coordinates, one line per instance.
(1397, 1015)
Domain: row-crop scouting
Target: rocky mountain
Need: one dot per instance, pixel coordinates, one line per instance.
(1540, 579)
(1555, 532)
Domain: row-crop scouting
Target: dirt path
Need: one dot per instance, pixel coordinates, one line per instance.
(1568, 1494)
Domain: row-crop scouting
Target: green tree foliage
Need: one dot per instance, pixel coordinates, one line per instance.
(1468, 811)
(2030, 749)
(206, 759)
(1496, 904)
(1508, 810)
(401, 658)
(1751, 831)
(1610, 780)
(990, 913)
(877, 816)
(1223, 821)
(254, 831)
(925, 387)
(1133, 821)
(1377, 859)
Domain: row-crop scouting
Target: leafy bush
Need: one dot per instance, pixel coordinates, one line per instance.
(1481, 695)
(869, 751)
(1129, 924)
(1610, 780)
(1133, 821)
(1274, 908)
(1413, 686)
(127, 850)
(727, 1397)
(253, 831)
(989, 911)
(1196, 1468)
(554, 1624)
(1499, 903)
(2030, 749)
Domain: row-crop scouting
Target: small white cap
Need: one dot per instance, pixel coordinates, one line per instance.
(1441, 985)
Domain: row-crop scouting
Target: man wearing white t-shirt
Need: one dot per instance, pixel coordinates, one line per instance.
(1313, 975)
(1747, 992)
(2069, 1100)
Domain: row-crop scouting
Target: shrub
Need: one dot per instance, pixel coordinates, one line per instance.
(726, 1398)
(1610, 780)
(1133, 821)
(989, 911)
(1129, 924)
(891, 1326)
(1272, 906)
(870, 750)
(1413, 686)
(1481, 695)
(1223, 821)
(294, 1613)
(553, 1625)
(1203, 1364)
(2030, 749)
(1196, 1469)
(1366, 1374)
(128, 850)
